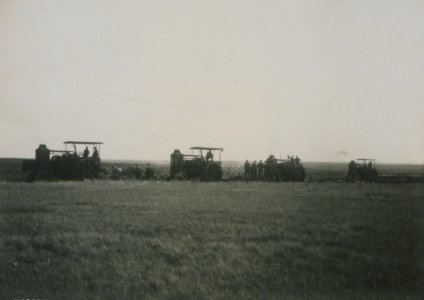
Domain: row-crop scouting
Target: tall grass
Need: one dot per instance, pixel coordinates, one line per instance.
(183, 240)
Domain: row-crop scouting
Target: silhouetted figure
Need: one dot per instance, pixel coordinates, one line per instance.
(253, 171)
(209, 156)
(351, 175)
(247, 170)
(297, 160)
(177, 162)
(261, 170)
(86, 152)
(149, 173)
(271, 168)
(95, 153)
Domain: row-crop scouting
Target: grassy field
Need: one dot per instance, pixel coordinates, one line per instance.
(229, 240)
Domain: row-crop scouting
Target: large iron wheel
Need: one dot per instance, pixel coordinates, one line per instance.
(213, 173)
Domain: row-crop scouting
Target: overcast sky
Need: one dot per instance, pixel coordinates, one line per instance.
(328, 80)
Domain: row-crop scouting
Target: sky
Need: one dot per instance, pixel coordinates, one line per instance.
(327, 80)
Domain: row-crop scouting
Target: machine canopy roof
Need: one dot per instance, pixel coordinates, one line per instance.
(83, 143)
(365, 159)
(206, 148)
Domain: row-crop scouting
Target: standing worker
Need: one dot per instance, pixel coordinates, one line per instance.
(351, 175)
(297, 160)
(247, 170)
(253, 171)
(95, 153)
(86, 152)
(261, 170)
(271, 168)
(149, 173)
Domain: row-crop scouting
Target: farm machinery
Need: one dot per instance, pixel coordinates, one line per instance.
(362, 170)
(197, 166)
(68, 164)
(290, 169)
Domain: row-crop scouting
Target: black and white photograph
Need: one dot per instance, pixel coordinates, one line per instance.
(211, 149)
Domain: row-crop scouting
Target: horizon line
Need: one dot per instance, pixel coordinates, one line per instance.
(234, 160)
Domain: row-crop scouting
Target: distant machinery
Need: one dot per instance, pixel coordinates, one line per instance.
(64, 164)
(362, 170)
(290, 169)
(198, 165)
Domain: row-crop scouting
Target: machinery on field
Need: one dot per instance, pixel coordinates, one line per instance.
(290, 169)
(65, 164)
(362, 170)
(197, 166)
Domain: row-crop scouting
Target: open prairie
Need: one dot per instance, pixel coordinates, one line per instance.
(186, 240)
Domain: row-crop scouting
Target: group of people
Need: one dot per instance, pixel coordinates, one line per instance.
(254, 171)
(293, 160)
(149, 173)
(267, 170)
(133, 173)
(86, 153)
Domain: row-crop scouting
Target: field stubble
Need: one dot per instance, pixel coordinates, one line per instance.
(168, 240)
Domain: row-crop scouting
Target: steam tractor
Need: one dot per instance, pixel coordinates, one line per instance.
(284, 170)
(71, 164)
(362, 170)
(203, 164)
